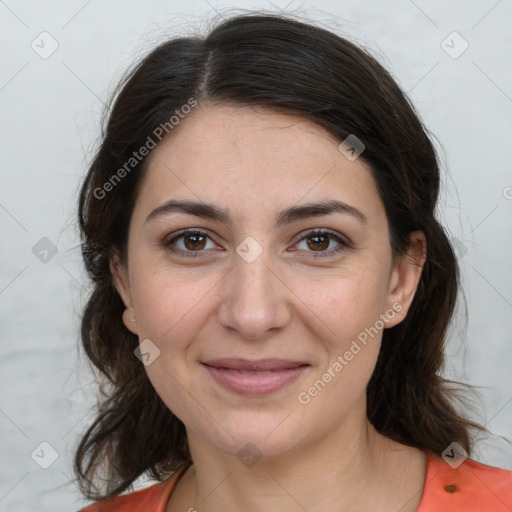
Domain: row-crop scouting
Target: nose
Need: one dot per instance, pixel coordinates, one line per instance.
(254, 301)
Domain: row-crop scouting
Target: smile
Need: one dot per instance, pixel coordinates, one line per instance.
(253, 381)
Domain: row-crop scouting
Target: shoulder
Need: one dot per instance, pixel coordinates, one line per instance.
(150, 499)
(471, 486)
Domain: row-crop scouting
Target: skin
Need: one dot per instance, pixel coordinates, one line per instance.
(324, 455)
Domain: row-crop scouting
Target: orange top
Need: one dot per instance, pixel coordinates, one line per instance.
(472, 487)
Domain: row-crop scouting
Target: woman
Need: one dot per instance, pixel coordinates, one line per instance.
(272, 289)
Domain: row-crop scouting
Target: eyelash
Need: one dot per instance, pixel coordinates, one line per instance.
(332, 235)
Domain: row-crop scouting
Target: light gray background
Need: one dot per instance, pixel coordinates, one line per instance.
(50, 114)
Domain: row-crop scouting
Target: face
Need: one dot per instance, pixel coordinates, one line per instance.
(264, 320)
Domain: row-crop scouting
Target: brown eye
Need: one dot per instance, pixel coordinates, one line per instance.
(190, 243)
(318, 242)
(196, 241)
(323, 243)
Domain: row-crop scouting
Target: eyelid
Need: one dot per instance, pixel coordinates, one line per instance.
(173, 237)
(324, 231)
(343, 241)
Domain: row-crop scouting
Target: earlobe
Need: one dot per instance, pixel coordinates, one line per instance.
(406, 276)
(130, 321)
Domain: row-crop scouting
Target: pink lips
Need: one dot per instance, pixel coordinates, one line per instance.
(256, 377)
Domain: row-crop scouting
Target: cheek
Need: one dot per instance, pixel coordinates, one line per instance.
(170, 304)
(350, 308)
(346, 303)
(176, 389)
(171, 312)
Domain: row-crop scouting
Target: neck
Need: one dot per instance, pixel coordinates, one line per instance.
(353, 472)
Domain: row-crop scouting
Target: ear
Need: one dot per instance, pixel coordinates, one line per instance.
(405, 276)
(121, 281)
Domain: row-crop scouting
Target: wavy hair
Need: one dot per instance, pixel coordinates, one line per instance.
(281, 63)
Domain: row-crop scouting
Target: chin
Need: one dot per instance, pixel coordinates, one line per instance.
(254, 436)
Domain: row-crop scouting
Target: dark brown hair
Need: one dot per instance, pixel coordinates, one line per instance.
(281, 63)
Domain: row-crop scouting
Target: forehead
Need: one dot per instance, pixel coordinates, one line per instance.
(225, 131)
(253, 157)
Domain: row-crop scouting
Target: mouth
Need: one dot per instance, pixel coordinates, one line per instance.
(254, 377)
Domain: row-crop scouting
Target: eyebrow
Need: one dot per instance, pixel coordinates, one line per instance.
(292, 214)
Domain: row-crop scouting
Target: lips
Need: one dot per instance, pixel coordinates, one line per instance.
(254, 377)
(260, 365)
